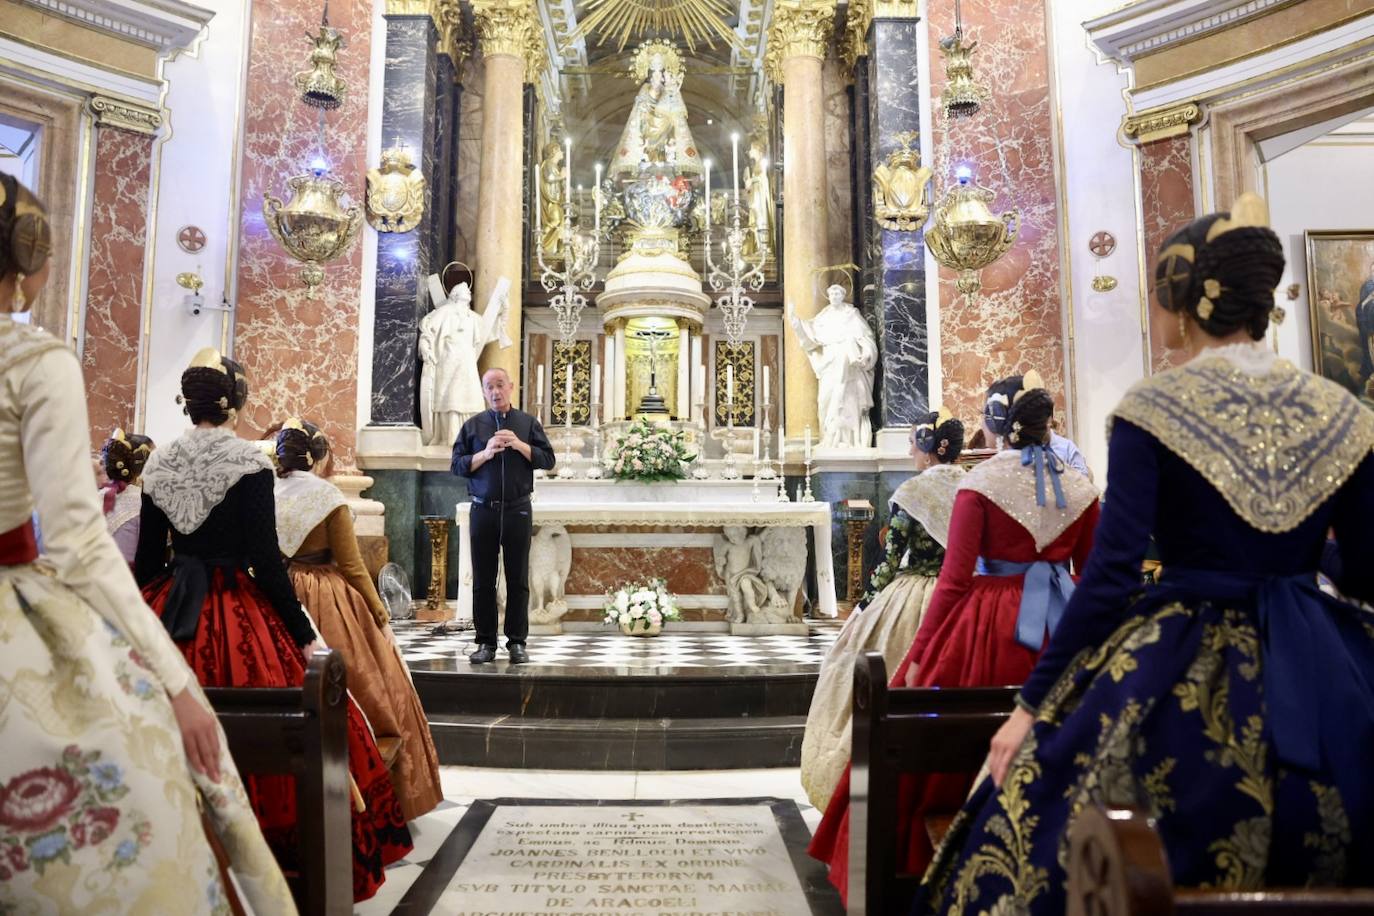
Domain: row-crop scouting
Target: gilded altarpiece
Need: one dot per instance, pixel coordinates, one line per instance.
(742, 357)
(577, 354)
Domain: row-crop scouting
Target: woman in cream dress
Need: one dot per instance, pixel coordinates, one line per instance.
(107, 736)
(886, 618)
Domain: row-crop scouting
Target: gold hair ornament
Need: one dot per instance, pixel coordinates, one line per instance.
(208, 358)
(1248, 210)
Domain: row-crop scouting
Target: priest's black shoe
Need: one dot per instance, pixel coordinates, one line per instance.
(483, 655)
(518, 655)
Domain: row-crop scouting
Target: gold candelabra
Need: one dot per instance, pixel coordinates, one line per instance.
(575, 270)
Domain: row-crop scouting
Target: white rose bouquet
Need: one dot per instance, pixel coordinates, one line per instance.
(649, 452)
(643, 604)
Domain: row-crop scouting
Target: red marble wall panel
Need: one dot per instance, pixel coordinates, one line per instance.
(1014, 323)
(114, 297)
(301, 354)
(687, 570)
(1166, 205)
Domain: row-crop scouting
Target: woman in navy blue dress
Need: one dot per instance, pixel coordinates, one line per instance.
(1234, 701)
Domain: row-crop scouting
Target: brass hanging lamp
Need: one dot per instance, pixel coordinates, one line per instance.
(962, 95)
(964, 235)
(319, 85)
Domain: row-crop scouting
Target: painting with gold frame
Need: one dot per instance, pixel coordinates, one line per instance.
(1340, 292)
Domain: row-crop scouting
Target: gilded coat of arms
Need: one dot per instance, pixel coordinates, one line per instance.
(395, 193)
(901, 196)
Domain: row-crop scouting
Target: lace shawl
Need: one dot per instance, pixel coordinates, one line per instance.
(127, 505)
(188, 478)
(929, 498)
(1276, 442)
(1011, 487)
(303, 502)
(19, 342)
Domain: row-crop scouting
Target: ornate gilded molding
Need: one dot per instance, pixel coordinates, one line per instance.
(799, 29)
(124, 115)
(511, 27)
(854, 42)
(447, 18)
(1161, 123)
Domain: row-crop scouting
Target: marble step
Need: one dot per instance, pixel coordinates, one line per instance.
(608, 696)
(618, 744)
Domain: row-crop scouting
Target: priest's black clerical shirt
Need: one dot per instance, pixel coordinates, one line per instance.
(508, 478)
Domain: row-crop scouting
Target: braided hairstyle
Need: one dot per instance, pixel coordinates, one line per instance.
(123, 456)
(1020, 410)
(25, 233)
(1222, 270)
(300, 446)
(941, 435)
(213, 387)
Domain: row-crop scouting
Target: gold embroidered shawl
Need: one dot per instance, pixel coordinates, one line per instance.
(1011, 486)
(929, 498)
(1275, 445)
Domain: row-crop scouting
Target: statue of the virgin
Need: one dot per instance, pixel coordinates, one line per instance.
(656, 137)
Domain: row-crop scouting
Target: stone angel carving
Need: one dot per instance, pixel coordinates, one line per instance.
(452, 337)
(762, 572)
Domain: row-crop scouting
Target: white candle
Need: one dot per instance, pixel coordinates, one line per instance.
(765, 384)
(596, 385)
(567, 387)
(539, 385)
(567, 170)
(730, 385)
(756, 443)
(708, 196)
(808, 444)
(782, 444)
(734, 159)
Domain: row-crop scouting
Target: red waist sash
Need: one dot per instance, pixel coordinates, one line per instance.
(18, 546)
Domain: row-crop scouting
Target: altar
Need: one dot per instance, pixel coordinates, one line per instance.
(708, 539)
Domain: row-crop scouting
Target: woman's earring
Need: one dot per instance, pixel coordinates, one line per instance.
(1183, 330)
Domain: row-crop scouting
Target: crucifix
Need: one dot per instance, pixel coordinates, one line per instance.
(653, 401)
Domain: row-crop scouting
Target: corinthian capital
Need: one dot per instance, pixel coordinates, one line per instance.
(800, 28)
(510, 27)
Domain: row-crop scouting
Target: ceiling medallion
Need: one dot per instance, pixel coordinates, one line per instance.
(190, 239)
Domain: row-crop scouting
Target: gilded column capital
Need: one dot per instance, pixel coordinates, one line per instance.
(800, 28)
(124, 115)
(854, 42)
(511, 27)
(1161, 123)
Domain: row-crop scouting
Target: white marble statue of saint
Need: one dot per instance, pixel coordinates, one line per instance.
(656, 133)
(843, 352)
(452, 337)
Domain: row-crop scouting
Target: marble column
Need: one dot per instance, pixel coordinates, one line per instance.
(895, 260)
(623, 369)
(684, 369)
(797, 45)
(418, 113)
(512, 49)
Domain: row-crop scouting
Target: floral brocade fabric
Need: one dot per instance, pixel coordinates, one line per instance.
(1276, 445)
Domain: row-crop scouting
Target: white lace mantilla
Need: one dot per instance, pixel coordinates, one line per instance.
(303, 501)
(1010, 486)
(127, 506)
(1250, 357)
(929, 498)
(188, 478)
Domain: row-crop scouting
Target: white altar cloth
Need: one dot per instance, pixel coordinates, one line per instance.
(583, 508)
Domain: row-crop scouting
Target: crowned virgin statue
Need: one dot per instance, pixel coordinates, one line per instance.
(656, 138)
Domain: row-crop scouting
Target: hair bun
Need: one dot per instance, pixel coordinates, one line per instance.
(300, 445)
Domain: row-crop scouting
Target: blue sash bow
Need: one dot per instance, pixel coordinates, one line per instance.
(1045, 460)
(1044, 595)
(1317, 662)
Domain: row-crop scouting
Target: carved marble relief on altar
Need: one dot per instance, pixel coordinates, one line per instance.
(577, 354)
(741, 358)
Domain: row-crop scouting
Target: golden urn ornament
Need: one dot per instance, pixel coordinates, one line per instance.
(395, 193)
(320, 86)
(313, 226)
(964, 235)
(901, 196)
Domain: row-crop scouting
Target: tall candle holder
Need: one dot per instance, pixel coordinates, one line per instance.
(540, 473)
(700, 471)
(595, 472)
(807, 496)
(567, 470)
(574, 269)
(730, 469)
(763, 467)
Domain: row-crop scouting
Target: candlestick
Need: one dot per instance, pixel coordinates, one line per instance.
(567, 390)
(730, 394)
(765, 384)
(756, 443)
(734, 160)
(596, 385)
(539, 385)
(808, 445)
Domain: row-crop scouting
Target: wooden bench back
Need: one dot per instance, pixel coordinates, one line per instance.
(905, 730)
(302, 733)
(1118, 867)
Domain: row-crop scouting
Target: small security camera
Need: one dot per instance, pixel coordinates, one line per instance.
(195, 303)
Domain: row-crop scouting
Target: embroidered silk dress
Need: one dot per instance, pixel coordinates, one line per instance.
(977, 630)
(98, 807)
(315, 532)
(228, 603)
(884, 620)
(122, 504)
(1233, 700)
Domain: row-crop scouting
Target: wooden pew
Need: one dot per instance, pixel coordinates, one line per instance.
(917, 730)
(1118, 867)
(304, 733)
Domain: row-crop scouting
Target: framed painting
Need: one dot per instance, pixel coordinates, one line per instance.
(1340, 295)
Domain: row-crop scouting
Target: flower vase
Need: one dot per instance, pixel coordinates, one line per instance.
(653, 629)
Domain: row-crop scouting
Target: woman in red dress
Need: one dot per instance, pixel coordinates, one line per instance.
(1019, 518)
(227, 602)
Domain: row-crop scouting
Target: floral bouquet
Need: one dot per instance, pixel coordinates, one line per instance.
(649, 452)
(641, 606)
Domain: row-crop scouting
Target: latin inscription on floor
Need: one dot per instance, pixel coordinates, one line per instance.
(700, 860)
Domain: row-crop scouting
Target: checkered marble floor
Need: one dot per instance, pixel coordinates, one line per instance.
(425, 651)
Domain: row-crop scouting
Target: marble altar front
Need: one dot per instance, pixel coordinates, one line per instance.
(619, 531)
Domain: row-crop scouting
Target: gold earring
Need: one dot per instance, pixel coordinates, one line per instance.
(1183, 332)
